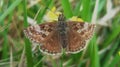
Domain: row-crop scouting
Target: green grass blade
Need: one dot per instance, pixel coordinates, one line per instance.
(66, 8)
(38, 63)
(25, 14)
(94, 58)
(116, 60)
(109, 54)
(10, 9)
(28, 49)
(77, 8)
(28, 52)
(61, 61)
(6, 42)
(113, 35)
(101, 5)
(43, 11)
(5, 45)
(85, 14)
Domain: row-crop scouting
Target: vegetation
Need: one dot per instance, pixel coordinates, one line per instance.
(16, 50)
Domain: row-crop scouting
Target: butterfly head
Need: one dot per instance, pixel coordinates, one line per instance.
(61, 17)
(61, 22)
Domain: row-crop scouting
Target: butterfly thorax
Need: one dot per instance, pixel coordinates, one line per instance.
(62, 29)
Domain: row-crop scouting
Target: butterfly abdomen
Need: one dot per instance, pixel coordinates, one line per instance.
(63, 36)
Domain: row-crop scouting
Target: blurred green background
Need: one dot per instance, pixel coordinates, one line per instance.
(102, 51)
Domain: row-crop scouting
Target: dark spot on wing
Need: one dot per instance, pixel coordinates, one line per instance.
(49, 30)
(43, 35)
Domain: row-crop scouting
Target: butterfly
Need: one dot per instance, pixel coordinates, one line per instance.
(54, 37)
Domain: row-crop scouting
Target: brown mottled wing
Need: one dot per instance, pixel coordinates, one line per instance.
(76, 43)
(39, 33)
(45, 35)
(52, 45)
(78, 35)
(84, 29)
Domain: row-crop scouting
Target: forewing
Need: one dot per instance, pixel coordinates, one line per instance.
(52, 45)
(79, 34)
(84, 29)
(39, 33)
